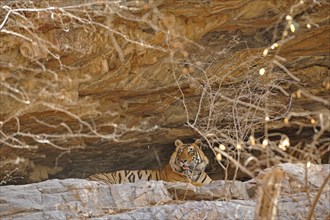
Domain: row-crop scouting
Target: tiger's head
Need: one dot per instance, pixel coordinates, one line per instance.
(189, 159)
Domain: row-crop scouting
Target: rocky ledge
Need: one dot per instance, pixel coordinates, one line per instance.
(78, 198)
(97, 86)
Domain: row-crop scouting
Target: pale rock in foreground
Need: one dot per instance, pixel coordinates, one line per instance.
(79, 199)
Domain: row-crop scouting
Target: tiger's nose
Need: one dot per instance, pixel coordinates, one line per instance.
(183, 161)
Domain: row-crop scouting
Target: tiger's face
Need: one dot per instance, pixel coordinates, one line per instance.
(188, 159)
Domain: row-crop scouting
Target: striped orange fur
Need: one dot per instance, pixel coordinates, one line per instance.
(187, 164)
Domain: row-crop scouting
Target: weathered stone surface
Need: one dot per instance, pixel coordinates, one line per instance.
(100, 86)
(216, 190)
(290, 208)
(76, 198)
(72, 198)
(193, 210)
(300, 178)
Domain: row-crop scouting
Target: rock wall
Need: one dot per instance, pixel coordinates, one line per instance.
(90, 87)
(74, 198)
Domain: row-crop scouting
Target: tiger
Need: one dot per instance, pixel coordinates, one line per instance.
(187, 164)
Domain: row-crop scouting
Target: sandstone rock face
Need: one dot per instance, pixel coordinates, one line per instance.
(76, 198)
(98, 86)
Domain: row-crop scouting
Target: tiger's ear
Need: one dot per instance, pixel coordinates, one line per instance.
(198, 142)
(178, 143)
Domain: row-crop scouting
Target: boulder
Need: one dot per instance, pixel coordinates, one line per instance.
(78, 198)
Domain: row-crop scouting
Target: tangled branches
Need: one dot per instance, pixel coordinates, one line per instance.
(73, 64)
(249, 111)
(43, 78)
